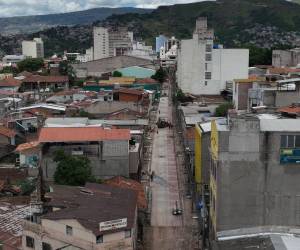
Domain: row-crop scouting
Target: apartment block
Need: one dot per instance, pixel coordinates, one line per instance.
(204, 68)
(110, 42)
(34, 48)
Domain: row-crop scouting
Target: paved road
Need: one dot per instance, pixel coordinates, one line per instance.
(167, 232)
(165, 184)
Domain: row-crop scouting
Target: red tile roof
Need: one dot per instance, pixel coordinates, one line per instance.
(122, 182)
(10, 82)
(130, 91)
(7, 132)
(48, 79)
(290, 110)
(82, 134)
(27, 145)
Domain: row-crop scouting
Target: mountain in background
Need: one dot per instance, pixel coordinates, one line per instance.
(237, 23)
(29, 24)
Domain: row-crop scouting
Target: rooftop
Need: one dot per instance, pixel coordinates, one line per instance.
(7, 132)
(47, 79)
(93, 204)
(10, 82)
(26, 146)
(79, 134)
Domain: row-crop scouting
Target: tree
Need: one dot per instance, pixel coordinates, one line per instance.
(222, 109)
(66, 69)
(30, 64)
(117, 74)
(71, 170)
(160, 75)
(9, 70)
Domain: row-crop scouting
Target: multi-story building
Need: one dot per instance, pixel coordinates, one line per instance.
(168, 52)
(139, 49)
(94, 217)
(12, 59)
(204, 68)
(111, 42)
(286, 58)
(34, 48)
(254, 173)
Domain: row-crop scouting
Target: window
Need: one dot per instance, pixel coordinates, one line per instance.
(46, 246)
(208, 75)
(69, 230)
(208, 48)
(207, 57)
(205, 83)
(127, 233)
(29, 242)
(290, 141)
(99, 239)
(206, 66)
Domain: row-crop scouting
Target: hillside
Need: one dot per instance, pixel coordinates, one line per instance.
(29, 24)
(262, 23)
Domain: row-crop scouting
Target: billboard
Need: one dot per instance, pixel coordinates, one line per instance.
(112, 224)
(290, 155)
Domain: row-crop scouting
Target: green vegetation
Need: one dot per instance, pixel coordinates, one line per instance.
(181, 97)
(160, 75)
(9, 70)
(222, 110)
(66, 69)
(72, 170)
(27, 186)
(117, 74)
(31, 64)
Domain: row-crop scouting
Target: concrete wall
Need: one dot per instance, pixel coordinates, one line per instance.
(110, 160)
(226, 65)
(253, 188)
(286, 98)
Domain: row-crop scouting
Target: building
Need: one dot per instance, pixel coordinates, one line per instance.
(168, 52)
(141, 50)
(160, 42)
(107, 149)
(111, 42)
(34, 48)
(286, 58)
(87, 57)
(96, 216)
(12, 59)
(254, 173)
(106, 66)
(204, 68)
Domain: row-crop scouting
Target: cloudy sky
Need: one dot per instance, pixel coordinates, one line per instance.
(38, 7)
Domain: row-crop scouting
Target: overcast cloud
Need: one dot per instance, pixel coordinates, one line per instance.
(39, 7)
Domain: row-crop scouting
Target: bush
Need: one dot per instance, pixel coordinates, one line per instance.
(117, 74)
(30, 64)
(222, 110)
(72, 170)
(160, 75)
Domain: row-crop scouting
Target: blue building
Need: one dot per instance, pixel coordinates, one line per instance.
(160, 42)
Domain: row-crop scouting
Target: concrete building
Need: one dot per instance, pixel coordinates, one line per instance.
(94, 217)
(204, 69)
(12, 59)
(107, 149)
(168, 52)
(286, 58)
(87, 57)
(111, 42)
(141, 50)
(254, 173)
(34, 48)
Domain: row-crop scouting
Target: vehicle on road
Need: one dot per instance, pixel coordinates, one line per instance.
(176, 210)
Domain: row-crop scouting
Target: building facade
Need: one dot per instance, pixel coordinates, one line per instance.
(286, 58)
(254, 173)
(204, 69)
(34, 48)
(111, 42)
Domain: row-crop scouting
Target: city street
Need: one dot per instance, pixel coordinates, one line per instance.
(167, 231)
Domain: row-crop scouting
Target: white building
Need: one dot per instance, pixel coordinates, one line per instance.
(33, 49)
(168, 52)
(204, 69)
(139, 49)
(111, 42)
(8, 60)
(87, 57)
